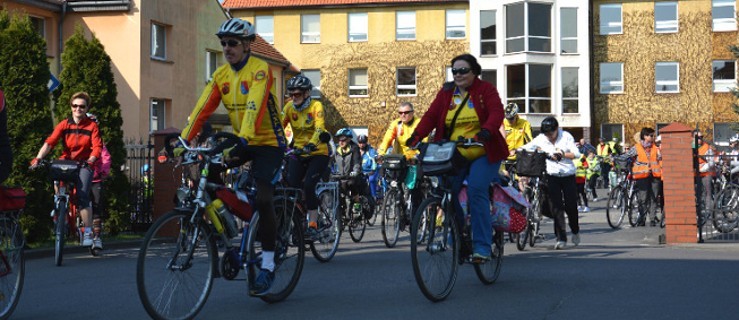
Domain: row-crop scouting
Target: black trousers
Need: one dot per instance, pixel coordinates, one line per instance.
(563, 199)
(305, 172)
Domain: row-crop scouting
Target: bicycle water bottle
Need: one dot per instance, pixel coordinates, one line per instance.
(213, 216)
(227, 219)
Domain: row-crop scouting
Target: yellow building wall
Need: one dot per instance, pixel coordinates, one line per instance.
(694, 46)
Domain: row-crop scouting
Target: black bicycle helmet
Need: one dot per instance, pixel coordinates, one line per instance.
(346, 132)
(549, 124)
(362, 138)
(299, 82)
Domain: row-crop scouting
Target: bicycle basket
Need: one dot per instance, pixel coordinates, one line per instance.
(394, 162)
(530, 164)
(440, 158)
(64, 170)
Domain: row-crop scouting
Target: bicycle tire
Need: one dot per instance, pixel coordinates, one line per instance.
(615, 208)
(726, 210)
(441, 252)
(391, 218)
(60, 232)
(536, 208)
(534, 233)
(329, 229)
(164, 272)
(12, 265)
(489, 271)
(289, 251)
(373, 218)
(523, 238)
(357, 226)
(423, 229)
(632, 210)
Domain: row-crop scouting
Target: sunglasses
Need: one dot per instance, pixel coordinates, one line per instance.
(456, 71)
(404, 112)
(296, 95)
(343, 140)
(80, 106)
(230, 43)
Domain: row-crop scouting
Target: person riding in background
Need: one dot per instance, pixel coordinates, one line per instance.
(81, 141)
(101, 170)
(369, 166)
(470, 108)
(6, 153)
(347, 162)
(306, 118)
(517, 134)
(399, 131)
(246, 87)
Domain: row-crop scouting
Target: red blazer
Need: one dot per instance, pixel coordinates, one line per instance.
(489, 110)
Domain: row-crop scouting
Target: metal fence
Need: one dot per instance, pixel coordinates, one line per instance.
(719, 222)
(139, 161)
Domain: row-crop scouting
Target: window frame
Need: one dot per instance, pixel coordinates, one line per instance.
(620, 130)
(564, 97)
(399, 87)
(723, 85)
(674, 82)
(494, 40)
(260, 21)
(723, 24)
(315, 79)
(719, 128)
(494, 81)
(365, 27)
(616, 24)
(316, 35)
(154, 41)
(526, 100)
(211, 64)
(398, 28)
(449, 28)
(616, 83)
(562, 36)
(527, 37)
(364, 87)
(42, 29)
(153, 117)
(666, 26)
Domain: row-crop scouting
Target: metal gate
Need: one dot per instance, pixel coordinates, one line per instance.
(139, 164)
(719, 222)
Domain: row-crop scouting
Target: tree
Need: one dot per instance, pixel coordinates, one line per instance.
(24, 73)
(86, 67)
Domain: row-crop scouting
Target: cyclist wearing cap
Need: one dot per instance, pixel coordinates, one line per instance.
(305, 117)
(517, 134)
(246, 88)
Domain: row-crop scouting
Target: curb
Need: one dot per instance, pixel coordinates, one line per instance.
(30, 254)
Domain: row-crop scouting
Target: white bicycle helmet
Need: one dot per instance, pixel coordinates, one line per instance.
(299, 82)
(236, 27)
(511, 110)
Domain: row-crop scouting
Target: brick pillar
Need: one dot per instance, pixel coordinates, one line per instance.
(679, 189)
(166, 181)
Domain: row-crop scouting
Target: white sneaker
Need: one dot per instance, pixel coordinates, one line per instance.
(585, 209)
(579, 208)
(87, 240)
(576, 239)
(560, 245)
(97, 243)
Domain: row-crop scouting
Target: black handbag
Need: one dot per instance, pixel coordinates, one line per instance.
(439, 158)
(64, 170)
(530, 163)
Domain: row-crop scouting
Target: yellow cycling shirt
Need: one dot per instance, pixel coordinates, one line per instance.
(397, 133)
(517, 134)
(306, 124)
(467, 125)
(248, 95)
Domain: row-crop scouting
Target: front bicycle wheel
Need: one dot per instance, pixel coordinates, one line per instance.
(12, 265)
(391, 218)
(632, 210)
(489, 271)
(357, 225)
(289, 251)
(726, 210)
(435, 263)
(175, 267)
(329, 229)
(615, 208)
(60, 232)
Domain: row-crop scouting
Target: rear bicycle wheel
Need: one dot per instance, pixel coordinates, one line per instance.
(489, 271)
(523, 237)
(329, 229)
(726, 210)
(12, 265)
(60, 233)
(632, 210)
(435, 263)
(175, 267)
(615, 208)
(391, 218)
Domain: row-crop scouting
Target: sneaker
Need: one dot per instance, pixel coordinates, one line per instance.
(585, 209)
(479, 258)
(87, 239)
(263, 283)
(595, 199)
(576, 239)
(97, 243)
(560, 245)
(579, 208)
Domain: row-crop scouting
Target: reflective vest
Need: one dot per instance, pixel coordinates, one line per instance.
(702, 151)
(646, 164)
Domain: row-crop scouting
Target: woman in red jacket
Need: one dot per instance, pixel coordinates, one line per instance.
(470, 108)
(81, 141)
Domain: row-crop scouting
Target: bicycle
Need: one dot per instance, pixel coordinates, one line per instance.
(12, 242)
(726, 204)
(397, 203)
(534, 195)
(447, 245)
(353, 214)
(178, 258)
(622, 198)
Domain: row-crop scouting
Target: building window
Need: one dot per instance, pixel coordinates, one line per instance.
(667, 77)
(530, 86)
(358, 83)
(487, 33)
(665, 17)
(609, 131)
(310, 28)
(265, 27)
(357, 27)
(449, 75)
(528, 27)
(158, 41)
(611, 19)
(724, 75)
(406, 25)
(722, 132)
(611, 77)
(724, 15)
(456, 20)
(568, 30)
(39, 25)
(211, 64)
(315, 80)
(156, 114)
(570, 90)
(489, 76)
(406, 82)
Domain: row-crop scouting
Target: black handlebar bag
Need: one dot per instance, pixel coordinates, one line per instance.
(530, 164)
(439, 158)
(64, 170)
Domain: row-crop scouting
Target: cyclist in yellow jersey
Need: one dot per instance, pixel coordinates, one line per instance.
(306, 119)
(517, 134)
(399, 131)
(246, 88)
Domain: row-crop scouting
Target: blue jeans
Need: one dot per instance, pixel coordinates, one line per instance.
(373, 183)
(479, 174)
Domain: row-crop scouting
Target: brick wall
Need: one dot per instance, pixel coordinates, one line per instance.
(679, 190)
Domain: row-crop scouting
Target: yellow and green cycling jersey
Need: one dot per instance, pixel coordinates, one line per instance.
(248, 96)
(397, 134)
(306, 124)
(517, 134)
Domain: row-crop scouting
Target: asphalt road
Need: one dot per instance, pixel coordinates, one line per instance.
(613, 274)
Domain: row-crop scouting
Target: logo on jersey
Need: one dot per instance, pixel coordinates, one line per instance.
(251, 105)
(295, 117)
(260, 75)
(244, 87)
(226, 88)
(469, 104)
(309, 118)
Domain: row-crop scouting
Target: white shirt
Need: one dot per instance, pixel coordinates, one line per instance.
(566, 143)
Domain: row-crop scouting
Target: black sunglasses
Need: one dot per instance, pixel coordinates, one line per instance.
(81, 106)
(456, 71)
(405, 112)
(296, 94)
(231, 43)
